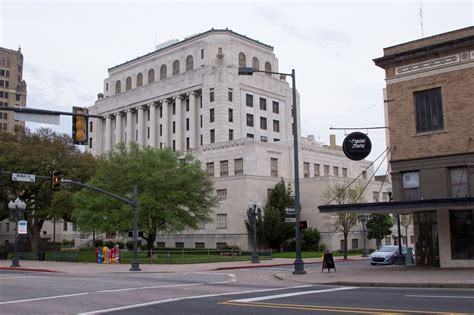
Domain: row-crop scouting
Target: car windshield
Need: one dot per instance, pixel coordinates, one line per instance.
(388, 249)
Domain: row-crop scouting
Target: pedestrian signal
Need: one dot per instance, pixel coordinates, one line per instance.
(55, 180)
(79, 126)
(303, 225)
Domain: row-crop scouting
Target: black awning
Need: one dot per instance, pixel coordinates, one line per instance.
(402, 206)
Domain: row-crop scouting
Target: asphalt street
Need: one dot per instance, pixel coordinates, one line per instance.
(248, 291)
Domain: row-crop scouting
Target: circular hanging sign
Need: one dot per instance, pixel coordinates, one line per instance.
(357, 146)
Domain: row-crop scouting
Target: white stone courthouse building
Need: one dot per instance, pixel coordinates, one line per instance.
(187, 95)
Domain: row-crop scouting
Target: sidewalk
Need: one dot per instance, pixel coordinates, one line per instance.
(359, 274)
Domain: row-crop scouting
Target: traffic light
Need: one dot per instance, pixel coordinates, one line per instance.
(55, 180)
(303, 225)
(79, 126)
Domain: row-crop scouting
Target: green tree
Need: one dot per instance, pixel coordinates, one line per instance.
(276, 230)
(405, 221)
(174, 194)
(38, 153)
(378, 226)
(344, 222)
(311, 238)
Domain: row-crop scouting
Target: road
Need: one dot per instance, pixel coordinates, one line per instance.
(249, 291)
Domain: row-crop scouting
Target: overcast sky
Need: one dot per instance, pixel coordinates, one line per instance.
(68, 47)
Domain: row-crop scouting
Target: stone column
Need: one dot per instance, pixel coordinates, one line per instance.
(141, 125)
(198, 121)
(152, 140)
(165, 123)
(179, 123)
(108, 133)
(130, 135)
(192, 121)
(118, 128)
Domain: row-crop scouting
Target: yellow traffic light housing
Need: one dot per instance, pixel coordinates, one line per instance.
(55, 180)
(79, 126)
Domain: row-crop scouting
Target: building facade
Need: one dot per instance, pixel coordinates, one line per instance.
(187, 95)
(430, 115)
(12, 88)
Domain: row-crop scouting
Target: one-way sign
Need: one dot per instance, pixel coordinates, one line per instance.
(18, 177)
(289, 210)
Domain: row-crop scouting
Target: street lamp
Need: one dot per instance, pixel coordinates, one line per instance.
(298, 264)
(363, 218)
(399, 258)
(255, 210)
(16, 207)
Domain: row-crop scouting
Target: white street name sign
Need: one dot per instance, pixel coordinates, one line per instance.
(22, 227)
(290, 220)
(18, 177)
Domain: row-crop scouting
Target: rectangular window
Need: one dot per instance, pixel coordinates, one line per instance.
(64, 225)
(429, 110)
(388, 240)
(211, 115)
(250, 135)
(375, 196)
(199, 245)
(174, 108)
(385, 196)
(306, 169)
(187, 105)
(90, 126)
(148, 114)
(273, 167)
(231, 115)
(335, 171)
(342, 243)
(364, 174)
(201, 141)
(174, 145)
(344, 172)
(222, 221)
(210, 169)
(211, 95)
(317, 171)
(249, 100)
(221, 245)
(161, 129)
(229, 95)
(174, 126)
(200, 120)
(276, 107)
(263, 103)
(459, 182)
(179, 244)
(202, 53)
(187, 123)
(411, 185)
(222, 194)
(212, 136)
(264, 138)
(148, 132)
(276, 126)
(7, 227)
(187, 144)
(18, 97)
(224, 167)
(250, 120)
(231, 134)
(161, 111)
(276, 139)
(90, 143)
(355, 243)
(263, 123)
(326, 170)
(136, 135)
(239, 166)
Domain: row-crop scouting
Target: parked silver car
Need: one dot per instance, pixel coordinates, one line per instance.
(385, 255)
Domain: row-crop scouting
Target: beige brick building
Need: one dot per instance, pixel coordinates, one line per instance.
(12, 88)
(430, 113)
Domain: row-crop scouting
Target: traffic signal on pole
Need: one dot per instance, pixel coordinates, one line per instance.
(55, 180)
(303, 225)
(79, 126)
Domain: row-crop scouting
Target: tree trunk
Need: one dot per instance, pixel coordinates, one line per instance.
(345, 246)
(378, 242)
(35, 234)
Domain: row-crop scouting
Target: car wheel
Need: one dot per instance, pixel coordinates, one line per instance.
(373, 264)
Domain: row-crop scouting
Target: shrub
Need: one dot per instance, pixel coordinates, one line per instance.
(98, 243)
(322, 247)
(129, 245)
(120, 244)
(109, 244)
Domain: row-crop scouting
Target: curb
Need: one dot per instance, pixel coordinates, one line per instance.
(275, 265)
(29, 269)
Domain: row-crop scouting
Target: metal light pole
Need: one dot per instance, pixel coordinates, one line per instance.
(363, 219)
(255, 209)
(298, 264)
(16, 207)
(135, 262)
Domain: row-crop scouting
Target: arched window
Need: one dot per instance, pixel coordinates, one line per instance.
(255, 64)
(139, 79)
(163, 72)
(189, 63)
(118, 87)
(268, 67)
(242, 60)
(175, 67)
(151, 76)
(128, 84)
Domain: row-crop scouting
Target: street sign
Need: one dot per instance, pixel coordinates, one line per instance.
(22, 227)
(289, 210)
(290, 220)
(18, 177)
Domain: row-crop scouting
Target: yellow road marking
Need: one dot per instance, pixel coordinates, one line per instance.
(336, 309)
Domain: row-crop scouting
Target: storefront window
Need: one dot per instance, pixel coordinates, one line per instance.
(462, 234)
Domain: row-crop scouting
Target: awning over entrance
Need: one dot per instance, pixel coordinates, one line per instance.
(402, 206)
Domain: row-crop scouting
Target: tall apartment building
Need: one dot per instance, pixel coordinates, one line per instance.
(431, 119)
(187, 95)
(12, 88)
